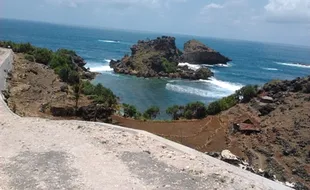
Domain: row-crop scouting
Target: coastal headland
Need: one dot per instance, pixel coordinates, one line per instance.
(258, 117)
(58, 154)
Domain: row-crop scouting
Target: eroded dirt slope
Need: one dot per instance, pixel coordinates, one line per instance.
(34, 88)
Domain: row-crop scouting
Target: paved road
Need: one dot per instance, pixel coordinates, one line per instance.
(43, 154)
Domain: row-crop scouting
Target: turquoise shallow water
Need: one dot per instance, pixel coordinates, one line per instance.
(253, 62)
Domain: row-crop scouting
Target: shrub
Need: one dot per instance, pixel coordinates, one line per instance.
(188, 114)
(73, 77)
(43, 55)
(214, 108)
(29, 57)
(64, 74)
(197, 109)
(58, 61)
(102, 95)
(247, 92)
(194, 110)
(130, 111)
(25, 48)
(228, 102)
(175, 112)
(65, 52)
(87, 88)
(169, 67)
(151, 113)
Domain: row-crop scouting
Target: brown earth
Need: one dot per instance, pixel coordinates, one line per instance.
(34, 88)
(282, 147)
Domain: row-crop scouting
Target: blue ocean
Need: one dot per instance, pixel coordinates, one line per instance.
(253, 62)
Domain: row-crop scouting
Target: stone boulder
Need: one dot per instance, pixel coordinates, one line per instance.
(196, 52)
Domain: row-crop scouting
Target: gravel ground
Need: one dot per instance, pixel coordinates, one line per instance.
(46, 154)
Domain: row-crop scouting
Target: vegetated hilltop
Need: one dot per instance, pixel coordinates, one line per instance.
(160, 58)
(45, 83)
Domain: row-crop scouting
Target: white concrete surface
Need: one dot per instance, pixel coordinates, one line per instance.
(44, 154)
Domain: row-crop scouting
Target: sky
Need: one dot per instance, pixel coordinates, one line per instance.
(279, 21)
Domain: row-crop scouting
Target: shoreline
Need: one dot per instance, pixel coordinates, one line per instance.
(37, 142)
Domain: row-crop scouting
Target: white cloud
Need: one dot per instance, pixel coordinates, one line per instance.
(295, 11)
(213, 6)
(121, 3)
(210, 6)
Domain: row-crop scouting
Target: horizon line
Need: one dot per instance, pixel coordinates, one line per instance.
(151, 32)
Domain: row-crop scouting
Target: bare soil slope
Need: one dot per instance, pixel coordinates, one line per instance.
(34, 88)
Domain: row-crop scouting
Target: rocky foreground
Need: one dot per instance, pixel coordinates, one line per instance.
(272, 131)
(160, 58)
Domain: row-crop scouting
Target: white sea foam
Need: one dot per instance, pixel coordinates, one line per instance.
(103, 68)
(191, 90)
(270, 69)
(228, 86)
(100, 66)
(190, 66)
(216, 88)
(218, 65)
(293, 65)
(109, 41)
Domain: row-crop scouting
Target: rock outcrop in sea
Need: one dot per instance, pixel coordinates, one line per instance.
(196, 52)
(160, 58)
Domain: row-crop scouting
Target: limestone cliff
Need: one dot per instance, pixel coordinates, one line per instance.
(157, 58)
(196, 52)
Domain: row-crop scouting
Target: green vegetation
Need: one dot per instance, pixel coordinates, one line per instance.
(131, 111)
(29, 57)
(99, 94)
(169, 67)
(42, 55)
(247, 92)
(151, 113)
(222, 104)
(175, 111)
(77, 94)
(60, 61)
(195, 110)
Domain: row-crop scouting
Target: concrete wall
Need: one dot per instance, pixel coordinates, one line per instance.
(6, 60)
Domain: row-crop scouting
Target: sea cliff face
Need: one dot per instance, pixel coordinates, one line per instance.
(196, 52)
(160, 58)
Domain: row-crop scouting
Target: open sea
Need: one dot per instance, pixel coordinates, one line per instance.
(253, 62)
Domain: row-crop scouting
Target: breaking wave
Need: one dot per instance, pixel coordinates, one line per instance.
(190, 90)
(227, 86)
(218, 65)
(100, 67)
(214, 89)
(109, 41)
(104, 68)
(294, 65)
(190, 66)
(270, 69)
(115, 42)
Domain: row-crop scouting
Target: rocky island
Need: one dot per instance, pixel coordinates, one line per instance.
(160, 58)
(196, 52)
